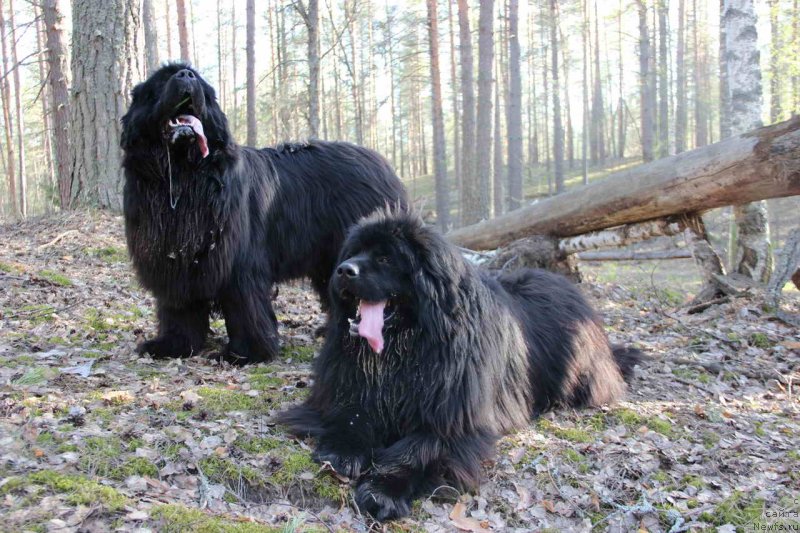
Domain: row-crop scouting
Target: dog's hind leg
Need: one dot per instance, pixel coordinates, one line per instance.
(250, 321)
(417, 464)
(182, 331)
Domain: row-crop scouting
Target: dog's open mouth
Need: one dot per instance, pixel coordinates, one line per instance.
(184, 117)
(369, 321)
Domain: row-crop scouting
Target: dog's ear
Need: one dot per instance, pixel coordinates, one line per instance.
(440, 268)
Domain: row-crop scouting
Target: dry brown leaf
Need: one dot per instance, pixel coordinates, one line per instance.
(461, 521)
(117, 397)
(548, 505)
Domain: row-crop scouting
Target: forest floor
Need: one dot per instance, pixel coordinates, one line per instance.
(96, 438)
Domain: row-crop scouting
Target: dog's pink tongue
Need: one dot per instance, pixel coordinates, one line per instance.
(197, 126)
(371, 325)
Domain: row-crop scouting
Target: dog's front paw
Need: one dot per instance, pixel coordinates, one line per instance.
(167, 346)
(372, 499)
(346, 465)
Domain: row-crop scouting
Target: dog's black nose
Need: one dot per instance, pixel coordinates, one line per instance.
(348, 269)
(185, 73)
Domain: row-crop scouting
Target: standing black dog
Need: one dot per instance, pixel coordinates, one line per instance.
(210, 223)
(428, 361)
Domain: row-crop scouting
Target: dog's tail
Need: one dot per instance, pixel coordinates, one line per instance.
(626, 358)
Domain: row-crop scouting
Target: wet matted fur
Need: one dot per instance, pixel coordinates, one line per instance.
(218, 231)
(466, 357)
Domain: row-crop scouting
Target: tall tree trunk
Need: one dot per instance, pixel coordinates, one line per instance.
(183, 30)
(252, 126)
(754, 258)
(234, 66)
(558, 131)
(680, 81)
(439, 151)
(514, 115)
(544, 29)
(23, 178)
(59, 95)
(151, 60)
(168, 16)
(621, 123)
(570, 134)
(103, 77)
(700, 82)
(497, 150)
(45, 94)
(663, 80)
(470, 196)
(585, 84)
(483, 134)
(533, 119)
(221, 74)
(598, 115)
(7, 117)
(454, 98)
(724, 88)
(310, 16)
(775, 105)
(645, 89)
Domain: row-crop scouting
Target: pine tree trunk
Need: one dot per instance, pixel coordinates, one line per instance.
(724, 88)
(497, 151)
(514, 116)
(252, 126)
(558, 131)
(23, 177)
(45, 98)
(663, 80)
(700, 82)
(439, 151)
(775, 105)
(470, 199)
(105, 65)
(59, 95)
(645, 90)
(483, 133)
(7, 118)
(586, 113)
(151, 60)
(168, 16)
(598, 126)
(680, 81)
(754, 258)
(183, 30)
(221, 74)
(454, 98)
(621, 129)
(569, 133)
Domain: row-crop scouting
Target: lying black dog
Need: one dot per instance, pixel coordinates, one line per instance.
(213, 224)
(428, 361)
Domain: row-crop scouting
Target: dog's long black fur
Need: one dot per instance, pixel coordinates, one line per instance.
(219, 231)
(468, 356)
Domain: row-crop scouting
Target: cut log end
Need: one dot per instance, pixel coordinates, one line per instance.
(538, 251)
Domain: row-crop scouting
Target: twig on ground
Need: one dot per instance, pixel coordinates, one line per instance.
(56, 240)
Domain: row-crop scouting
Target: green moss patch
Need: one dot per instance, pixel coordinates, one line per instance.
(175, 518)
(77, 489)
(107, 457)
(298, 354)
(736, 509)
(572, 434)
(54, 278)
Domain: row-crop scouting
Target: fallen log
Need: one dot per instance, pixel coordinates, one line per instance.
(761, 164)
(634, 255)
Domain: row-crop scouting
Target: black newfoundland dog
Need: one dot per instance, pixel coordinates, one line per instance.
(428, 361)
(213, 225)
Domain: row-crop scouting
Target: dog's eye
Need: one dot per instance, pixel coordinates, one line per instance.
(383, 260)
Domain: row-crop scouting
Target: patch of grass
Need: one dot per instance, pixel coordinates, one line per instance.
(219, 400)
(105, 457)
(176, 518)
(296, 463)
(37, 313)
(110, 254)
(576, 458)
(230, 474)
(661, 477)
(78, 489)
(760, 340)
(258, 445)
(98, 322)
(32, 376)
(574, 434)
(659, 425)
(736, 509)
(692, 480)
(55, 278)
(670, 296)
(710, 439)
(262, 378)
(9, 268)
(298, 354)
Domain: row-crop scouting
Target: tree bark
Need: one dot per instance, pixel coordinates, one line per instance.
(621, 123)
(8, 118)
(105, 65)
(310, 16)
(514, 115)
(168, 16)
(44, 97)
(585, 86)
(497, 151)
(754, 258)
(663, 80)
(470, 197)
(761, 164)
(558, 130)
(23, 178)
(183, 30)
(633, 255)
(150, 37)
(454, 98)
(439, 151)
(483, 134)
(775, 105)
(252, 126)
(59, 98)
(681, 114)
(645, 89)
(598, 126)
